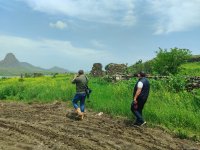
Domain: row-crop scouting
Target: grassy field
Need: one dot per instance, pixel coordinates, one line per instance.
(191, 69)
(176, 110)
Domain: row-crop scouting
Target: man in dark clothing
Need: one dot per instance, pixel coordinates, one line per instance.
(81, 82)
(140, 95)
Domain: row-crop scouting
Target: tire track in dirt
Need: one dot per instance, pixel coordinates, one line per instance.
(45, 126)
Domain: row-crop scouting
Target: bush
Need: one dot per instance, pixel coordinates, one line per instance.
(175, 83)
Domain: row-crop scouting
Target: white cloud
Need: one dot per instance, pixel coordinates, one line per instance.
(97, 44)
(175, 15)
(48, 53)
(59, 25)
(104, 11)
(129, 19)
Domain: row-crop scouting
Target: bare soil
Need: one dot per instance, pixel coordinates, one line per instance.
(55, 127)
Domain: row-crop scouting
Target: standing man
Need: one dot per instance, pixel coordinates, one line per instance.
(140, 95)
(81, 81)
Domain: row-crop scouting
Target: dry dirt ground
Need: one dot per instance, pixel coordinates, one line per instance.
(47, 127)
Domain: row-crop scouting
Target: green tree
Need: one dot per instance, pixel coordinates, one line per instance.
(141, 66)
(148, 66)
(137, 67)
(167, 63)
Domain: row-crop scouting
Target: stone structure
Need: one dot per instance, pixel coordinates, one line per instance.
(193, 83)
(195, 58)
(116, 69)
(97, 70)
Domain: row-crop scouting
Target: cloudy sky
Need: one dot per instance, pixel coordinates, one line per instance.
(74, 34)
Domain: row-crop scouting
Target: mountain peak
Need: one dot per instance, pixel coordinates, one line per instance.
(58, 70)
(10, 59)
(10, 65)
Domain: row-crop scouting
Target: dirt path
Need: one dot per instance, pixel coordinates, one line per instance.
(46, 127)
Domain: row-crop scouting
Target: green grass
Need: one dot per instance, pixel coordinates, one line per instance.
(177, 111)
(43, 89)
(111, 98)
(191, 69)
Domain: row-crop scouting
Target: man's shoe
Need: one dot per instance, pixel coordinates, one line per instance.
(82, 116)
(79, 111)
(143, 123)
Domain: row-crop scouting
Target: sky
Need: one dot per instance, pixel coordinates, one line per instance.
(75, 34)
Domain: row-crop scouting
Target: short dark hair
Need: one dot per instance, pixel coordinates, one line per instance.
(142, 74)
(80, 72)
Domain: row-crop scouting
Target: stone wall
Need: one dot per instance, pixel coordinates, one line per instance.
(192, 82)
(195, 58)
(116, 69)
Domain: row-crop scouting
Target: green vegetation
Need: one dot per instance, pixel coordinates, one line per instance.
(190, 69)
(165, 63)
(169, 105)
(42, 89)
(142, 66)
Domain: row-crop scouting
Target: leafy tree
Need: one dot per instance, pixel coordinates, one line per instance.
(167, 63)
(135, 68)
(141, 66)
(148, 66)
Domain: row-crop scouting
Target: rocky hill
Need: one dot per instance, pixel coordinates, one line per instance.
(10, 65)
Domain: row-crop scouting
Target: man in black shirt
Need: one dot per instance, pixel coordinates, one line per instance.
(140, 95)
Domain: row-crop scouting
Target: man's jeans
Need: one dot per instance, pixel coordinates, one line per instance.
(79, 97)
(137, 111)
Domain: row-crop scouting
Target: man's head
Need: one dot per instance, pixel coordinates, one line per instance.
(141, 74)
(80, 72)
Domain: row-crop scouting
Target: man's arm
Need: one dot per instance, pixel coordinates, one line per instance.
(74, 80)
(139, 89)
(137, 94)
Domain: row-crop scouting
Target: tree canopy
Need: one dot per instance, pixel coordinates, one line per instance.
(169, 62)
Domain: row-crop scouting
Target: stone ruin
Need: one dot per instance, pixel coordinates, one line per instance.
(195, 58)
(111, 70)
(97, 70)
(193, 83)
(115, 72)
(116, 69)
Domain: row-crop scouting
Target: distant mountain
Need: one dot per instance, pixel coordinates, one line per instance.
(10, 65)
(9, 61)
(57, 69)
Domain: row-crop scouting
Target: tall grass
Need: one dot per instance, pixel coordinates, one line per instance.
(41, 89)
(168, 105)
(190, 69)
(113, 98)
(176, 111)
